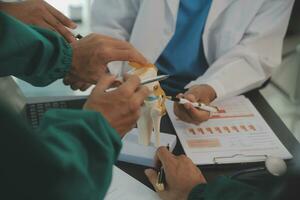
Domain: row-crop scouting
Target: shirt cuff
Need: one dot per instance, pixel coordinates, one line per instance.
(60, 71)
(196, 192)
(225, 188)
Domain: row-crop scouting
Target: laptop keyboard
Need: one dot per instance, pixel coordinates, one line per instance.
(35, 111)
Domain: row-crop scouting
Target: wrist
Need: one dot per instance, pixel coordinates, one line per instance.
(74, 56)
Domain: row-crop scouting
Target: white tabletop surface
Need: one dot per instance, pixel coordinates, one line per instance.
(56, 89)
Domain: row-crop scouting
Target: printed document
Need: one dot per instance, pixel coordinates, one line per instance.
(236, 134)
(126, 187)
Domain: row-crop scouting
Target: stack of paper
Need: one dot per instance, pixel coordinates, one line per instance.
(236, 134)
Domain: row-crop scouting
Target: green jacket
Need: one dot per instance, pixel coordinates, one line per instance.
(71, 156)
(253, 187)
(223, 188)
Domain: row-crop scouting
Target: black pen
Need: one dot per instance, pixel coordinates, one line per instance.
(161, 177)
(78, 37)
(145, 81)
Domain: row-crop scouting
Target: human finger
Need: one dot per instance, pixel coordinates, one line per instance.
(130, 54)
(74, 83)
(181, 112)
(79, 85)
(61, 17)
(70, 79)
(190, 97)
(131, 84)
(113, 42)
(117, 83)
(59, 27)
(166, 158)
(85, 86)
(152, 177)
(104, 83)
(74, 86)
(198, 116)
(138, 98)
(128, 123)
(43, 24)
(66, 79)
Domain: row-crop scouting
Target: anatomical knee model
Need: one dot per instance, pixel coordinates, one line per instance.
(153, 108)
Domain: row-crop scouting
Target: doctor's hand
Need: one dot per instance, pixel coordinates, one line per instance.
(40, 13)
(181, 175)
(91, 55)
(120, 107)
(198, 93)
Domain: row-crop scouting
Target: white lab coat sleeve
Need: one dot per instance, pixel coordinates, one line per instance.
(251, 62)
(114, 18)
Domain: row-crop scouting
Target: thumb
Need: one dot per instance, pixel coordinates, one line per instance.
(152, 177)
(104, 83)
(191, 97)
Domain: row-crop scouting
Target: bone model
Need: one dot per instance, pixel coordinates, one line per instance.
(154, 106)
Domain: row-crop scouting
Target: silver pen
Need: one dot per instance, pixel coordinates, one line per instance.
(146, 81)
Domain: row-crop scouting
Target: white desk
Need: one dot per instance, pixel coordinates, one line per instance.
(56, 91)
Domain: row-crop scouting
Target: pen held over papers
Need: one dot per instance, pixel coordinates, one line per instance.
(145, 81)
(198, 105)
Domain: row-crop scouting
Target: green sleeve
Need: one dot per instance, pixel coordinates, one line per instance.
(69, 158)
(35, 55)
(224, 188)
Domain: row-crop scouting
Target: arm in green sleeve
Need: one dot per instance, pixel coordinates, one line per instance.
(224, 188)
(69, 158)
(35, 55)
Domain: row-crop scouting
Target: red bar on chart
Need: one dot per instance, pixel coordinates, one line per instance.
(226, 128)
(235, 129)
(192, 131)
(200, 131)
(244, 128)
(209, 130)
(218, 129)
(252, 127)
(221, 110)
(208, 143)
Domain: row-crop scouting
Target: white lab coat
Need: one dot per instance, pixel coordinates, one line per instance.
(242, 38)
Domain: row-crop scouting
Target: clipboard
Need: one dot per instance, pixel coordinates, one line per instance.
(238, 134)
(239, 158)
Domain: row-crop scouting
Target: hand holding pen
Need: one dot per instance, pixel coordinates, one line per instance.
(198, 105)
(145, 81)
(194, 112)
(181, 175)
(161, 177)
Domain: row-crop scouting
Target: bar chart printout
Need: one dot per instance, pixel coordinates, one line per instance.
(236, 134)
